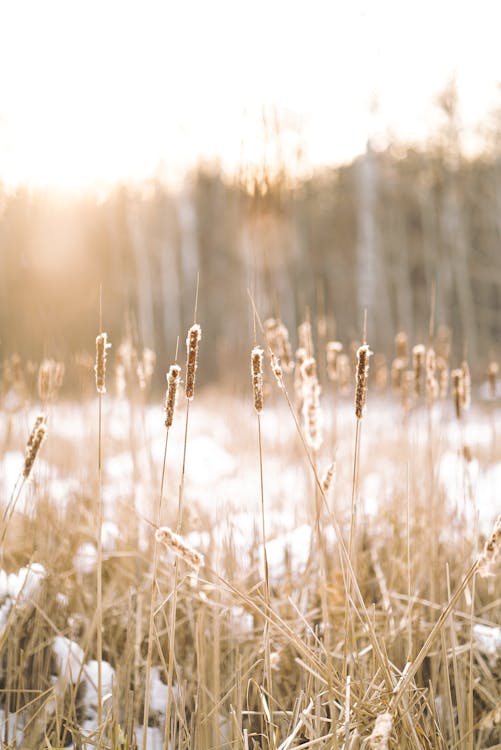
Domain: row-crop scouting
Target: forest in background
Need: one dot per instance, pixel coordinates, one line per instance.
(388, 232)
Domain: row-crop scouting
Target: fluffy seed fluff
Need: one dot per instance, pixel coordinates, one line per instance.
(102, 345)
(380, 736)
(192, 342)
(363, 354)
(35, 440)
(171, 396)
(491, 551)
(174, 542)
(257, 377)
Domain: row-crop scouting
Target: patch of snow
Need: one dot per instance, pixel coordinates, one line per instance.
(85, 558)
(69, 657)
(488, 639)
(109, 536)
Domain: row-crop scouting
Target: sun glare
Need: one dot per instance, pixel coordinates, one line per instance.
(97, 92)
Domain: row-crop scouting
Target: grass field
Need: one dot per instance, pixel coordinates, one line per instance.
(327, 612)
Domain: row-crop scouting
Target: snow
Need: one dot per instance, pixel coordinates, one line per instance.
(69, 657)
(85, 558)
(488, 639)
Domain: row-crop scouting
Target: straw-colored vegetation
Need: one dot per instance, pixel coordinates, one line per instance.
(328, 585)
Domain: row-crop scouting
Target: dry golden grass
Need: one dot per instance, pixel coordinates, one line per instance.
(257, 655)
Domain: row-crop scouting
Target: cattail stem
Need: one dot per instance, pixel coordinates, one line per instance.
(152, 601)
(99, 573)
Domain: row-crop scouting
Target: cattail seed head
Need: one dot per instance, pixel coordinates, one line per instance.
(380, 737)
(442, 377)
(491, 551)
(466, 385)
(173, 541)
(257, 377)
(333, 350)
(432, 388)
(277, 370)
(311, 404)
(192, 342)
(362, 373)
(35, 440)
(305, 337)
(343, 373)
(283, 350)
(102, 346)
(492, 375)
(402, 346)
(173, 377)
(418, 362)
(457, 391)
(397, 370)
(327, 477)
(298, 377)
(407, 392)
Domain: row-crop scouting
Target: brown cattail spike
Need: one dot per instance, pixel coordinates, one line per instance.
(492, 375)
(102, 346)
(466, 385)
(402, 346)
(457, 391)
(418, 362)
(173, 541)
(192, 342)
(311, 403)
(257, 377)
(173, 377)
(333, 350)
(363, 354)
(491, 551)
(33, 444)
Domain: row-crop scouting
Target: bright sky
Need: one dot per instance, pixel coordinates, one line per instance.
(97, 90)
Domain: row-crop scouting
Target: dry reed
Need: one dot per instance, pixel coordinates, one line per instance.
(189, 555)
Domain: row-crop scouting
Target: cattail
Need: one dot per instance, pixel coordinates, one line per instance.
(492, 374)
(363, 354)
(402, 346)
(33, 444)
(277, 370)
(257, 377)
(442, 377)
(491, 551)
(457, 391)
(192, 342)
(298, 377)
(102, 345)
(44, 376)
(443, 344)
(380, 736)
(311, 404)
(407, 391)
(418, 362)
(333, 350)
(283, 350)
(343, 373)
(432, 389)
(466, 385)
(397, 370)
(305, 337)
(173, 377)
(327, 477)
(173, 541)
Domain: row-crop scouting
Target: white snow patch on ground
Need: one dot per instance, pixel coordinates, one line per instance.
(85, 558)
